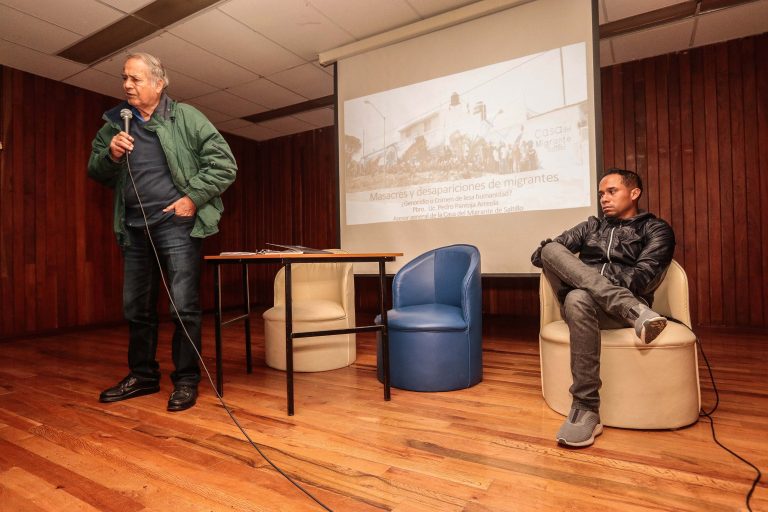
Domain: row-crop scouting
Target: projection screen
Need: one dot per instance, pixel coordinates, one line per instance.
(482, 133)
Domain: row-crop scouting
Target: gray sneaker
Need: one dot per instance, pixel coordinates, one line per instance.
(648, 323)
(580, 428)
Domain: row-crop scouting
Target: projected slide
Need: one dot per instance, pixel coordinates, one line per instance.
(504, 138)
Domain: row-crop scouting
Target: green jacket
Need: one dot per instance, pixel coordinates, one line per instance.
(201, 162)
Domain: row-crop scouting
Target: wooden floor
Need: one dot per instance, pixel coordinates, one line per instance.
(481, 449)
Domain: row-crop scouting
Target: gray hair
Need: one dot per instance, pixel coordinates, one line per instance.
(156, 68)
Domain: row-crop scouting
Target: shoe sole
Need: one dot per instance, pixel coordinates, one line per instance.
(652, 328)
(137, 393)
(587, 442)
(177, 408)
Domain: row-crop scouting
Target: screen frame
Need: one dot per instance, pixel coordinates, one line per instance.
(597, 127)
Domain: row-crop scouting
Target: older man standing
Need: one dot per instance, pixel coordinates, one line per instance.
(167, 174)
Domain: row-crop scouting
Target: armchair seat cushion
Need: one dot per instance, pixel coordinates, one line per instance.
(674, 335)
(308, 310)
(427, 317)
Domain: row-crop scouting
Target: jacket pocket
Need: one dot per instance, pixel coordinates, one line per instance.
(209, 216)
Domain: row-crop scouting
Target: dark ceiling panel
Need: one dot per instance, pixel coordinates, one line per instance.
(126, 31)
(162, 13)
(109, 40)
(304, 106)
(674, 12)
(669, 14)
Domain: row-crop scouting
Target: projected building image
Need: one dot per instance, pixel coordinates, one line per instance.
(485, 141)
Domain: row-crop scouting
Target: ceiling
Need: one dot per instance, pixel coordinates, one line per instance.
(237, 58)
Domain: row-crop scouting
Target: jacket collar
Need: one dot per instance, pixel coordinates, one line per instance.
(640, 217)
(165, 110)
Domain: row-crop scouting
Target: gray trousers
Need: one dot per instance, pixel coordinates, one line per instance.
(594, 303)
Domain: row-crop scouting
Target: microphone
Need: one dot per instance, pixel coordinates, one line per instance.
(126, 115)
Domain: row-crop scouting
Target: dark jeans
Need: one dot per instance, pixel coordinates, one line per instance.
(180, 257)
(594, 303)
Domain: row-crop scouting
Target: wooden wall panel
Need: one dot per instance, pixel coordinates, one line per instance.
(297, 188)
(693, 124)
(714, 185)
(732, 77)
(761, 142)
(59, 266)
(699, 144)
(673, 115)
(690, 217)
(752, 202)
(239, 208)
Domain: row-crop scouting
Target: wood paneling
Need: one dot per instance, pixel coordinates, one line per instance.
(693, 124)
(59, 265)
(698, 121)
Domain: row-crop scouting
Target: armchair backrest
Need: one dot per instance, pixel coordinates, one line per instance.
(441, 276)
(548, 303)
(670, 298)
(329, 281)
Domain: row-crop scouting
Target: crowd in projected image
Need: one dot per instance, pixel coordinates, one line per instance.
(504, 138)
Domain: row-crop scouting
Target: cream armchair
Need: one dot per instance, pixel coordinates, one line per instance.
(653, 386)
(323, 296)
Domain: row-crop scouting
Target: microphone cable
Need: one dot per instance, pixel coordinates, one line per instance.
(200, 357)
(708, 414)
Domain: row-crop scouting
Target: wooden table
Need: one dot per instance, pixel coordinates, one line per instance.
(288, 259)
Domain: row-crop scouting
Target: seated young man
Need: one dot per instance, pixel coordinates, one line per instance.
(622, 260)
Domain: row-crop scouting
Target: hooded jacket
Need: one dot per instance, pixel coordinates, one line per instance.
(201, 163)
(633, 253)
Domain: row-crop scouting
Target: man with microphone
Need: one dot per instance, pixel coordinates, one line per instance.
(167, 165)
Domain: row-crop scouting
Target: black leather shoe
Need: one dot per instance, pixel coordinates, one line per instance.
(129, 387)
(183, 397)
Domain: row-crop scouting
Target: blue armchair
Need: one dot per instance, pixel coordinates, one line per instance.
(435, 326)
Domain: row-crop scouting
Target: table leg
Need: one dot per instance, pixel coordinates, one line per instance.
(247, 306)
(288, 339)
(217, 327)
(384, 332)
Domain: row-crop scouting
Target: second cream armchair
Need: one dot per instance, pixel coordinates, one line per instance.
(323, 296)
(653, 386)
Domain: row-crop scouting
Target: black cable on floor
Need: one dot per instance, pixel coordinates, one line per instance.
(708, 415)
(200, 357)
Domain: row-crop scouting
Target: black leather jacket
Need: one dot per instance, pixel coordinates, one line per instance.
(633, 253)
